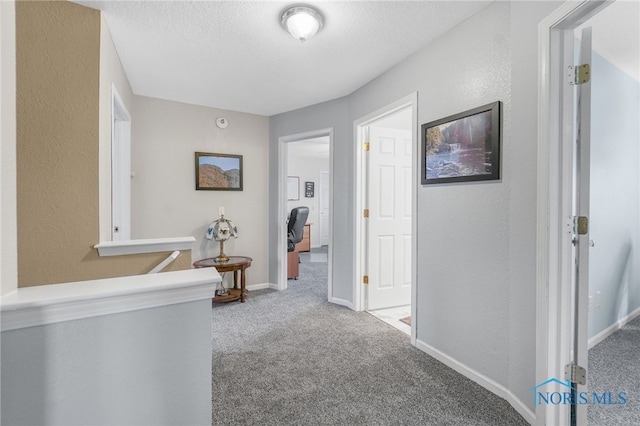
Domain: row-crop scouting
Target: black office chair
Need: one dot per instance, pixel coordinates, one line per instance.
(295, 228)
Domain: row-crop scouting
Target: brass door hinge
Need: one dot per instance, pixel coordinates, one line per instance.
(579, 74)
(575, 374)
(580, 225)
(366, 213)
(367, 145)
(365, 279)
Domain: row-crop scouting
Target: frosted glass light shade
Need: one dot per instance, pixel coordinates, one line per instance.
(302, 22)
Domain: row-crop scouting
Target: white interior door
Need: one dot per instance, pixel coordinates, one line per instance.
(580, 76)
(323, 188)
(389, 176)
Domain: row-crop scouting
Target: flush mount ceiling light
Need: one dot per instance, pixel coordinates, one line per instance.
(302, 22)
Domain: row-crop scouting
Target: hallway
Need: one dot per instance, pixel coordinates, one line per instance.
(292, 358)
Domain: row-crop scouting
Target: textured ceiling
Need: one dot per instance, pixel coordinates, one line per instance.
(235, 55)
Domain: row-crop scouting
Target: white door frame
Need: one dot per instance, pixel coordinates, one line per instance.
(120, 168)
(555, 177)
(410, 101)
(321, 206)
(282, 204)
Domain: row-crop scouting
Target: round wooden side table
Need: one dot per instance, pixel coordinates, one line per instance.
(234, 264)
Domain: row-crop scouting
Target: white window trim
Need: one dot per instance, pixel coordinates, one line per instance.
(154, 245)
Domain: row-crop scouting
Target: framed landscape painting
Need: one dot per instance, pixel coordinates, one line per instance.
(219, 172)
(464, 147)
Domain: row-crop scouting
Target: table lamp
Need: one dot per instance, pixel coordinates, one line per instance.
(221, 230)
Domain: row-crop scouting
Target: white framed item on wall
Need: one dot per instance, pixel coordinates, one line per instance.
(293, 188)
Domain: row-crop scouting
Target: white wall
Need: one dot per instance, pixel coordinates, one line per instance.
(151, 367)
(111, 74)
(614, 264)
(8, 220)
(165, 137)
(308, 170)
(476, 242)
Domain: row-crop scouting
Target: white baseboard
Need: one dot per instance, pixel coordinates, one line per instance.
(342, 302)
(481, 379)
(262, 286)
(613, 328)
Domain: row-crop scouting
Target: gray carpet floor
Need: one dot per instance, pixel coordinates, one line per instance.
(292, 358)
(614, 366)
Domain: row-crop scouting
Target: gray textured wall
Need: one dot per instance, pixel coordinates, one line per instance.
(476, 242)
(148, 367)
(521, 165)
(333, 114)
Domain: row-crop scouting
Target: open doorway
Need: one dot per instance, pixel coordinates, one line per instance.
(614, 216)
(568, 200)
(385, 249)
(305, 176)
(308, 187)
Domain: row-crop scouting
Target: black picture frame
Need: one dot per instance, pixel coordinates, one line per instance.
(464, 147)
(309, 189)
(218, 172)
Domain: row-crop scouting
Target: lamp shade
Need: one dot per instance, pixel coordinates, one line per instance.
(221, 230)
(302, 22)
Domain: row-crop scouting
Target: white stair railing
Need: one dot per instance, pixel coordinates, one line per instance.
(165, 262)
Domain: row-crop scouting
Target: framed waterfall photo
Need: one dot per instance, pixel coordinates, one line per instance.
(221, 172)
(464, 147)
